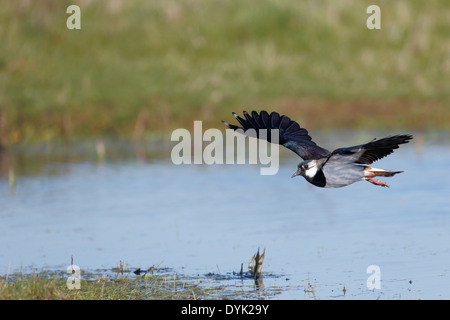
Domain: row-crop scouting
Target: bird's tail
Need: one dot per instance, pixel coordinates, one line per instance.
(374, 172)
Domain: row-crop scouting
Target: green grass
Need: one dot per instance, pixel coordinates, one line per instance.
(139, 68)
(114, 285)
(52, 286)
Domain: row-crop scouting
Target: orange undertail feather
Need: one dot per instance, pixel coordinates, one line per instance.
(370, 173)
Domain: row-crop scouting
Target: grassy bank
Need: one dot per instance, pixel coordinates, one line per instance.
(125, 284)
(136, 68)
(53, 286)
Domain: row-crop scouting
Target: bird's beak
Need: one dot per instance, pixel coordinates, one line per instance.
(297, 173)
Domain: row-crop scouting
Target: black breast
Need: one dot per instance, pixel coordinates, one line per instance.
(319, 179)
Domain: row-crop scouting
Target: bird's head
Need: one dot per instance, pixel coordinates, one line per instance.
(307, 169)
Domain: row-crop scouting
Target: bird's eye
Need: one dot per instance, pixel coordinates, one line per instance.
(306, 167)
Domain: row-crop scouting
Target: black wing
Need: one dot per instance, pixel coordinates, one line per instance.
(372, 151)
(291, 135)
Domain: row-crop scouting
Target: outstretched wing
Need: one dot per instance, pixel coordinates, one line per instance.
(370, 152)
(290, 134)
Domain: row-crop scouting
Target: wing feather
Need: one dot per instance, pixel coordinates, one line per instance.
(291, 135)
(371, 151)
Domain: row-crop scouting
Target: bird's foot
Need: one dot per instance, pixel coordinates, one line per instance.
(377, 182)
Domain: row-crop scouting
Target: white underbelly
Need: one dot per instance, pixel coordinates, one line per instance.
(338, 175)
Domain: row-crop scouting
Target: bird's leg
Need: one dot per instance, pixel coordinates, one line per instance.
(377, 182)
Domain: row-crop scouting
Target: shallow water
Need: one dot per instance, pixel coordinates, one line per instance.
(206, 221)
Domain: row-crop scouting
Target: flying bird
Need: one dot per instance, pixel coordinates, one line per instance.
(321, 167)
